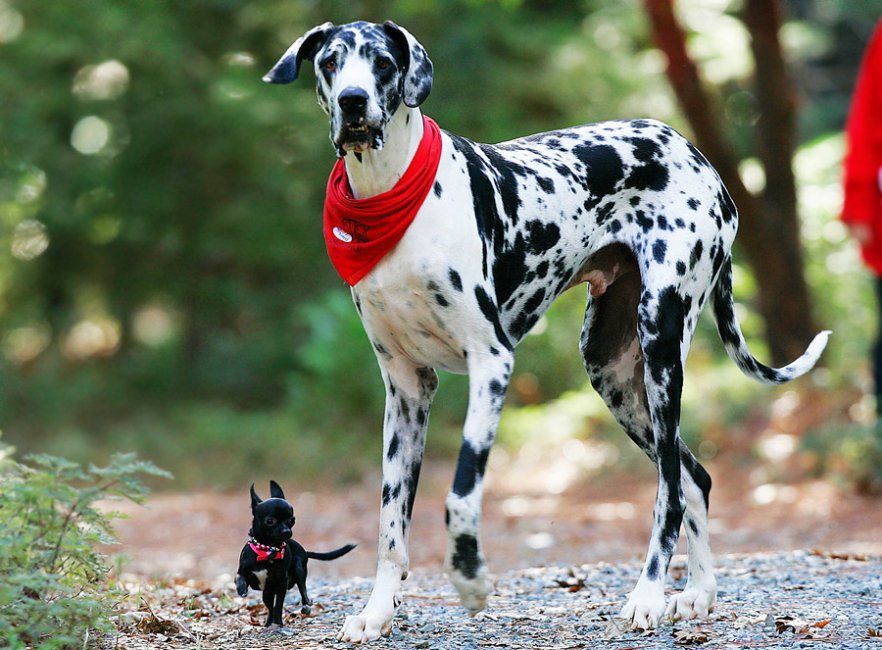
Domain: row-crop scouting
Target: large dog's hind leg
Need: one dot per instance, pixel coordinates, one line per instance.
(489, 374)
(661, 324)
(409, 392)
(700, 594)
(614, 360)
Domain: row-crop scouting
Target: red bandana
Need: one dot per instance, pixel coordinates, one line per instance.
(359, 232)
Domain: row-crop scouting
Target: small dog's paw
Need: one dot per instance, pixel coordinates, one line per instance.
(692, 602)
(364, 628)
(241, 586)
(306, 610)
(645, 607)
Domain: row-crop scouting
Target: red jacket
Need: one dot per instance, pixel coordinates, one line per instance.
(863, 160)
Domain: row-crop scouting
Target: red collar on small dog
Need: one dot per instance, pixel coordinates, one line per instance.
(265, 553)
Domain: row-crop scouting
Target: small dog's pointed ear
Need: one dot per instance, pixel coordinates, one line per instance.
(418, 75)
(287, 68)
(255, 500)
(276, 491)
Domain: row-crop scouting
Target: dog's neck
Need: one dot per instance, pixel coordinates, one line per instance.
(376, 171)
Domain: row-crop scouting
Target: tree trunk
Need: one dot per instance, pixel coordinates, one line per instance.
(793, 325)
(769, 231)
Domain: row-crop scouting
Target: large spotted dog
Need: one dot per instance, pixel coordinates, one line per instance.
(630, 208)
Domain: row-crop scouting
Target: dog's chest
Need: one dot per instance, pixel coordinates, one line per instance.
(413, 303)
(260, 575)
(410, 316)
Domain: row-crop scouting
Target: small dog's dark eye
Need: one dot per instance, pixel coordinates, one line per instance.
(291, 522)
(270, 521)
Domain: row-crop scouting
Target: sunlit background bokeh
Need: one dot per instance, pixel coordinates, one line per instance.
(163, 281)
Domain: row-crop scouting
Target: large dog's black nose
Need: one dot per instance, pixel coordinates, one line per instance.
(353, 100)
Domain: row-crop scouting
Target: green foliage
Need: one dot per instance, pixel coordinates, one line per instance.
(849, 452)
(338, 388)
(163, 283)
(338, 364)
(54, 590)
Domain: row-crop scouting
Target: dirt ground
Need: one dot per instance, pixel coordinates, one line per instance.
(532, 518)
(564, 536)
(776, 601)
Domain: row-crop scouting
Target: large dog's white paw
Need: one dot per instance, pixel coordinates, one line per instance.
(473, 592)
(695, 601)
(645, 606)
(366, 627)
(375, 619)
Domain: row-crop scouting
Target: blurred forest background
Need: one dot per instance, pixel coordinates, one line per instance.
(164, 286)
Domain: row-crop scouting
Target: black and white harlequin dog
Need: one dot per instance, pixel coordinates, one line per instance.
(630, 208)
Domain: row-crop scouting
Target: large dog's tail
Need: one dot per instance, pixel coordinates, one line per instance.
(736, 346)
(330, 555)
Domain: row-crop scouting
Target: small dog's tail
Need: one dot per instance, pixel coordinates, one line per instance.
(736, 346)
(331, 555)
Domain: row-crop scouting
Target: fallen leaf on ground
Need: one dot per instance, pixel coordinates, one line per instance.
(791, 624)
(801, 628)
(152, 624)
(615, 627)
(695, 636)
(833, 555)
(742, 622)
(571, 584)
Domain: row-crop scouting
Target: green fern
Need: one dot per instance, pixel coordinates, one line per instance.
(54, 591)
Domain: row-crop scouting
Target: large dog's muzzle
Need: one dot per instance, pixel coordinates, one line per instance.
(355, 131)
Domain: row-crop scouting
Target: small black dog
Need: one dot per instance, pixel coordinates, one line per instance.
(271, 561)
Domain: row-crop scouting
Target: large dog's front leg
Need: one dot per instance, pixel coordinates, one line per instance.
(409, 392)
(488, 381)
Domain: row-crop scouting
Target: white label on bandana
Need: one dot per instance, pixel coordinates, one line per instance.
(342, 235)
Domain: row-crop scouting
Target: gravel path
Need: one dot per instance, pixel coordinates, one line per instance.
(776, 600)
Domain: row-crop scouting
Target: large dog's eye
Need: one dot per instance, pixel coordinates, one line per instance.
(330, 64)
(384, 64)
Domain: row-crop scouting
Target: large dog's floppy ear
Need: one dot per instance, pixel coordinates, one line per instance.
(288, 67)
(276, 491)
(255, 500)
(418, 75)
